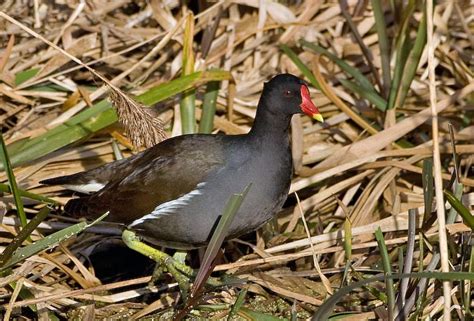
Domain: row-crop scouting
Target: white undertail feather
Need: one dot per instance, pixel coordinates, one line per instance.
(170, 207)
(88, 188)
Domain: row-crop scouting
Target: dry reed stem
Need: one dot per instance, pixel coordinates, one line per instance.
(443, 240)
(324, 279)
(340, 161)
(130, 113)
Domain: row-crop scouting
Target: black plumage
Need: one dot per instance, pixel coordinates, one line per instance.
(173, 193)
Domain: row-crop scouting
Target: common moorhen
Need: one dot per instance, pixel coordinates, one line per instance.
(173, 193)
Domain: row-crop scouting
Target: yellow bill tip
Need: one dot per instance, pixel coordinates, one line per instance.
(318, 117)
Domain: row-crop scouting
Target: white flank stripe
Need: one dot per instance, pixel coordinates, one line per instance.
(170, 207)
(88, 188)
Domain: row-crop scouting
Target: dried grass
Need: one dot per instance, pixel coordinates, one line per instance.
(353, 165)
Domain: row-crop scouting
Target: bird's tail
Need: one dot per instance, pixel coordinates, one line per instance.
(55, 180)
(85, 206)
(77, 207)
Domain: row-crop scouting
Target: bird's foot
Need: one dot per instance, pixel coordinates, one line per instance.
(175, 265)
(157, 274)
(180, 271)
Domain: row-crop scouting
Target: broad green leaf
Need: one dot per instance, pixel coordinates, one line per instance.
(102, 115)
(49, 241)
(371, 96)
(301, 66)
(4, 188)
(23, 76)
(23, 235)
(99, 117)
(179, 85)
(354, 72)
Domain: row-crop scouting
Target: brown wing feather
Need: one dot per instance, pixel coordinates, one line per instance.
(102, 174)
(162, 173)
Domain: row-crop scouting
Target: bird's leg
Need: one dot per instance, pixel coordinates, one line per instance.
(175, 266)
(157, 273)
(180, 256)
(180, 271)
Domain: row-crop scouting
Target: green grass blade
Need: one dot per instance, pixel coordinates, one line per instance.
(187, 105)
(49, 241)
(420, 299)
(23, 235)
(347, 245)
(409, 71)
(460, 208)
(428, 189)
(388, 271)
(366, 52)
(354, 72)
(408, 264)
(116, 149)
(14, 147)
(301, 66)
(4, 188)
(231, 208)
(239, 302)
(206, 124)
(458, 189)
(258, 316)
(402, 47)
(179, 85)
(102, 115)
(66, 134)
(402, 54)
(407, 17)
(25, 75)
(5, 160)
(381, 28)
(371, 96)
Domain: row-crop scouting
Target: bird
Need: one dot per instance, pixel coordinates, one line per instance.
(173, 193)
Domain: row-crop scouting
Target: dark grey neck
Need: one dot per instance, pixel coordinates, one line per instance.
(269, 126)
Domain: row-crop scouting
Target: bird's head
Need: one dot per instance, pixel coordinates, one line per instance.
(289, 94)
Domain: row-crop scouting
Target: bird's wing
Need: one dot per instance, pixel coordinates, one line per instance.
(161, 174)
(93, 180)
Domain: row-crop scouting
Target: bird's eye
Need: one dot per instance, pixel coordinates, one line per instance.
(288, 93)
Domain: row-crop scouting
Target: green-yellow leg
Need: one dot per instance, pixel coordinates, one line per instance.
(157, 273)
(181, 272)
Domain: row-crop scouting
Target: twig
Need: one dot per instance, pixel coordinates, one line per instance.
(324, 279)
(443, 241)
